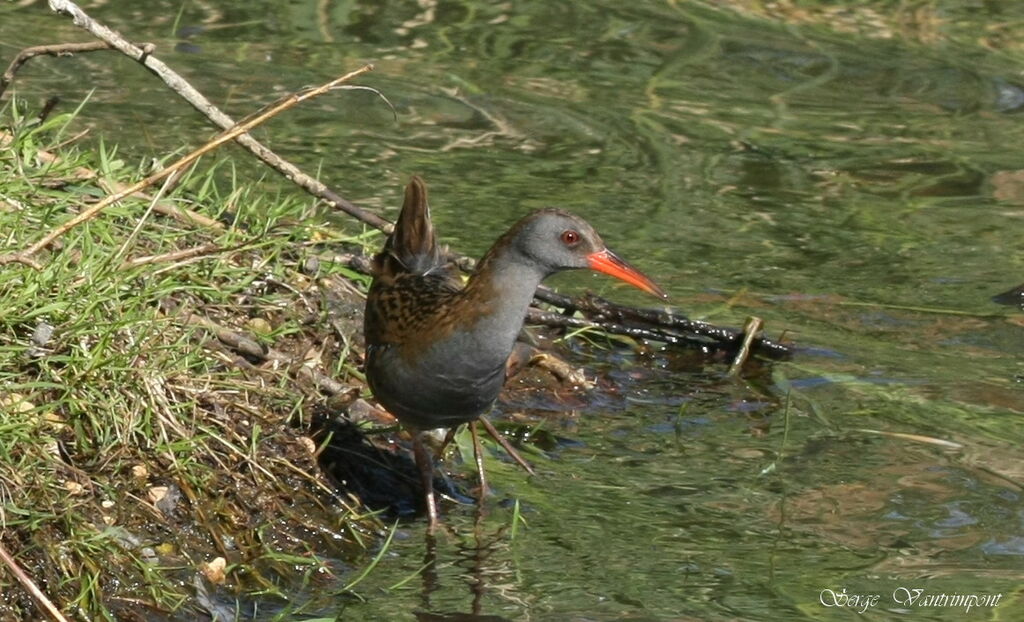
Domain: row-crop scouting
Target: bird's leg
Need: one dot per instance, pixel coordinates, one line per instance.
(509, 449)
(425, 464)
(478, 455)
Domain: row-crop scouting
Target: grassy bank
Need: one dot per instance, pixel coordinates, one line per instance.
(137, 448)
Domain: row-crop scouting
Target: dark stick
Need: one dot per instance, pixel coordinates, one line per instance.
(603, 310)
(56, 49)
(48, 106)
(557, 320)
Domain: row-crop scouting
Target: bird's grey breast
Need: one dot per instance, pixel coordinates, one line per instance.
(441, 388)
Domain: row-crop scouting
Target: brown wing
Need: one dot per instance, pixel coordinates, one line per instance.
(407, 308)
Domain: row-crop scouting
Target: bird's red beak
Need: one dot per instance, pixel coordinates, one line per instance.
(611, 264)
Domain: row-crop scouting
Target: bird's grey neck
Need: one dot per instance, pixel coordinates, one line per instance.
(511, 282)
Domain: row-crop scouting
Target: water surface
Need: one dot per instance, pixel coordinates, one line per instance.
(852, 175)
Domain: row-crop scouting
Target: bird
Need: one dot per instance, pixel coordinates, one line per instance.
(436, 349)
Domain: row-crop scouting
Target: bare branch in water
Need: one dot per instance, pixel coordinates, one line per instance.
(198, 101)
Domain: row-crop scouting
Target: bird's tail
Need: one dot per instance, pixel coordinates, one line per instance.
(412, 246)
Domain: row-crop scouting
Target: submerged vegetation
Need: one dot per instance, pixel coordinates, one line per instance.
(137, 448)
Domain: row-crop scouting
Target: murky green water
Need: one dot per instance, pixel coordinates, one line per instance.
(862, 193)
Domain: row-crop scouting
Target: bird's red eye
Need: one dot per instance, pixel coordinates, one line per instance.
(570, 237)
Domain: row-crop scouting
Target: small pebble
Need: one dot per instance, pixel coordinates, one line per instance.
(259, 326)
(42, 334)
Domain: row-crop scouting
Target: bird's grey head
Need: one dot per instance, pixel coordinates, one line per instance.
(550, 240)
(555, 240)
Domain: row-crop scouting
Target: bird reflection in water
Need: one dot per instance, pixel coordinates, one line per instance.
(484, 571)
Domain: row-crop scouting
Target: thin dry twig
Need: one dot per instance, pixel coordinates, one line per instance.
(25, 256)
(57, 49)
(750, 332)
(180, 86)
(179, 255)
(30, 586)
